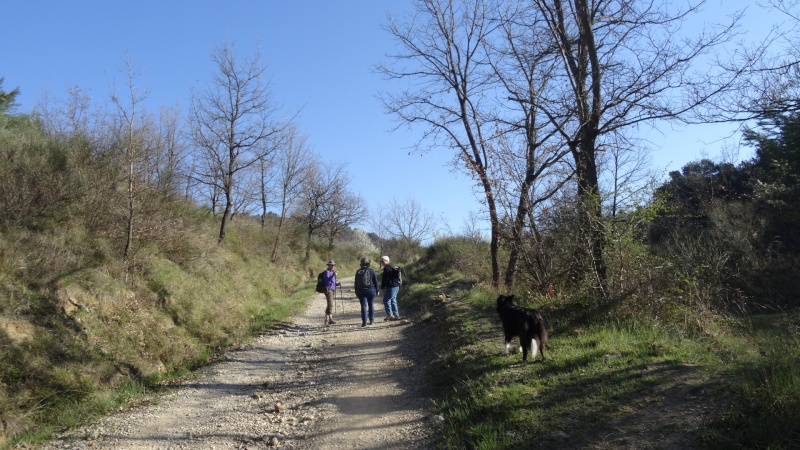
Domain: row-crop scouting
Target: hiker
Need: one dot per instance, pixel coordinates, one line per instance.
(390, 283)
(330, 290)
(366, 286)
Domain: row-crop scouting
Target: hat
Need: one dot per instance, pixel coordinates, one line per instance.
(365, 262)
(385, 259)
(331, 263)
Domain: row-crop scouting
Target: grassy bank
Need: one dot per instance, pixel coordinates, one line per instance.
(609, 380)
(94, 334)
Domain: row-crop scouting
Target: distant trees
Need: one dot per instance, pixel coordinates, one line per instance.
(344, 211)
(293, 160)
(690, 195)
(777, 169)
(408, 221)
(769, 183)
(232, 122)
(326, 206)
(233, 154)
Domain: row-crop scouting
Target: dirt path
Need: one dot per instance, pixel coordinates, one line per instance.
(306, 385)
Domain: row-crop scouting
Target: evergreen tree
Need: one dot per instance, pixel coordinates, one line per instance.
(7, 105)
(777, 164)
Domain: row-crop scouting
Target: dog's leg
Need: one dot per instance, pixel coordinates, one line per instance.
(505, 348)
(534, 348)
(524, 351)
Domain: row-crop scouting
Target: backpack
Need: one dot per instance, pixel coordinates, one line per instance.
(395, 276)
(363, 279)
(321, 288)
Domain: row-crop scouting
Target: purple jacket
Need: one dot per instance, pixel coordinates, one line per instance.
(330, 279)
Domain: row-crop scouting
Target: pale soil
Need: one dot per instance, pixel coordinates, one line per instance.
(307, 385)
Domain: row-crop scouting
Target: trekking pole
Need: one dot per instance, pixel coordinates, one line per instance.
(341, 299)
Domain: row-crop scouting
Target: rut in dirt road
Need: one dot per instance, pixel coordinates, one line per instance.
(305, 386)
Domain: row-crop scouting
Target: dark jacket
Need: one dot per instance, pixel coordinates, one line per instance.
(387, 278)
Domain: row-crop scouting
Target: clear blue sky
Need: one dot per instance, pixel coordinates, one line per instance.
(320, 55)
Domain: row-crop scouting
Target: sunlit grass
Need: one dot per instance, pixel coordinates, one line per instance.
(606, 374)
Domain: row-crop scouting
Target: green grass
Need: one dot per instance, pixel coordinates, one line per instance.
(606, 380)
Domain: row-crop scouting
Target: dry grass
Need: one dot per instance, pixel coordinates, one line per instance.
(78, 328)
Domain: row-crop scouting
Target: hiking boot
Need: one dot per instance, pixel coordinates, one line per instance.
(363, 324)
(394, 318)
(331, 321)
(388, 318)
(371, 322)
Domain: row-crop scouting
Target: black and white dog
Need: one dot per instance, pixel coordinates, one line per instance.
(524, 323)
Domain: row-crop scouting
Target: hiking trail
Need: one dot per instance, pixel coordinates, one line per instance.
(300, 386)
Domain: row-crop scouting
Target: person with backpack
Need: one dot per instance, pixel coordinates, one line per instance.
(330, 283)
(390, 283)
(366, 287)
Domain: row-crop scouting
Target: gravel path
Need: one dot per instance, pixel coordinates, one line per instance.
(305, 386)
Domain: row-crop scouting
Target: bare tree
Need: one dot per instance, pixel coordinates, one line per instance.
(444, 46)
(133, 141)
(409, 221)
(770, 83)
(622, 64)
(247, 190)
(575, 72)
(266, 185)
(170, 146)
(327, 206)
(485, 68)
(292, 160)
(377, 220)
(344, 210)
(319, 188)
(232, 122)
(531, 151)
(624, 165)
(74, 115)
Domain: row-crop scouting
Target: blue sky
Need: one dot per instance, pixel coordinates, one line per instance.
(320, 55)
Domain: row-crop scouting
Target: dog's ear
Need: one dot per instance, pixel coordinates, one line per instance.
(505, 299)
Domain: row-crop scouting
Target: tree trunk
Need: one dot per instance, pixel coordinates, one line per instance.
(226, 214)
(591, 214)
(274, 255)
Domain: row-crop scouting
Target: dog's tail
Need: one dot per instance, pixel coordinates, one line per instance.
(541, 330)
(538, 332)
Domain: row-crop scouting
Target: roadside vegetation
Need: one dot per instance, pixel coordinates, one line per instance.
(654, 369)
(135, 248)
(81, 334)
(672, 304)
(104, 300)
